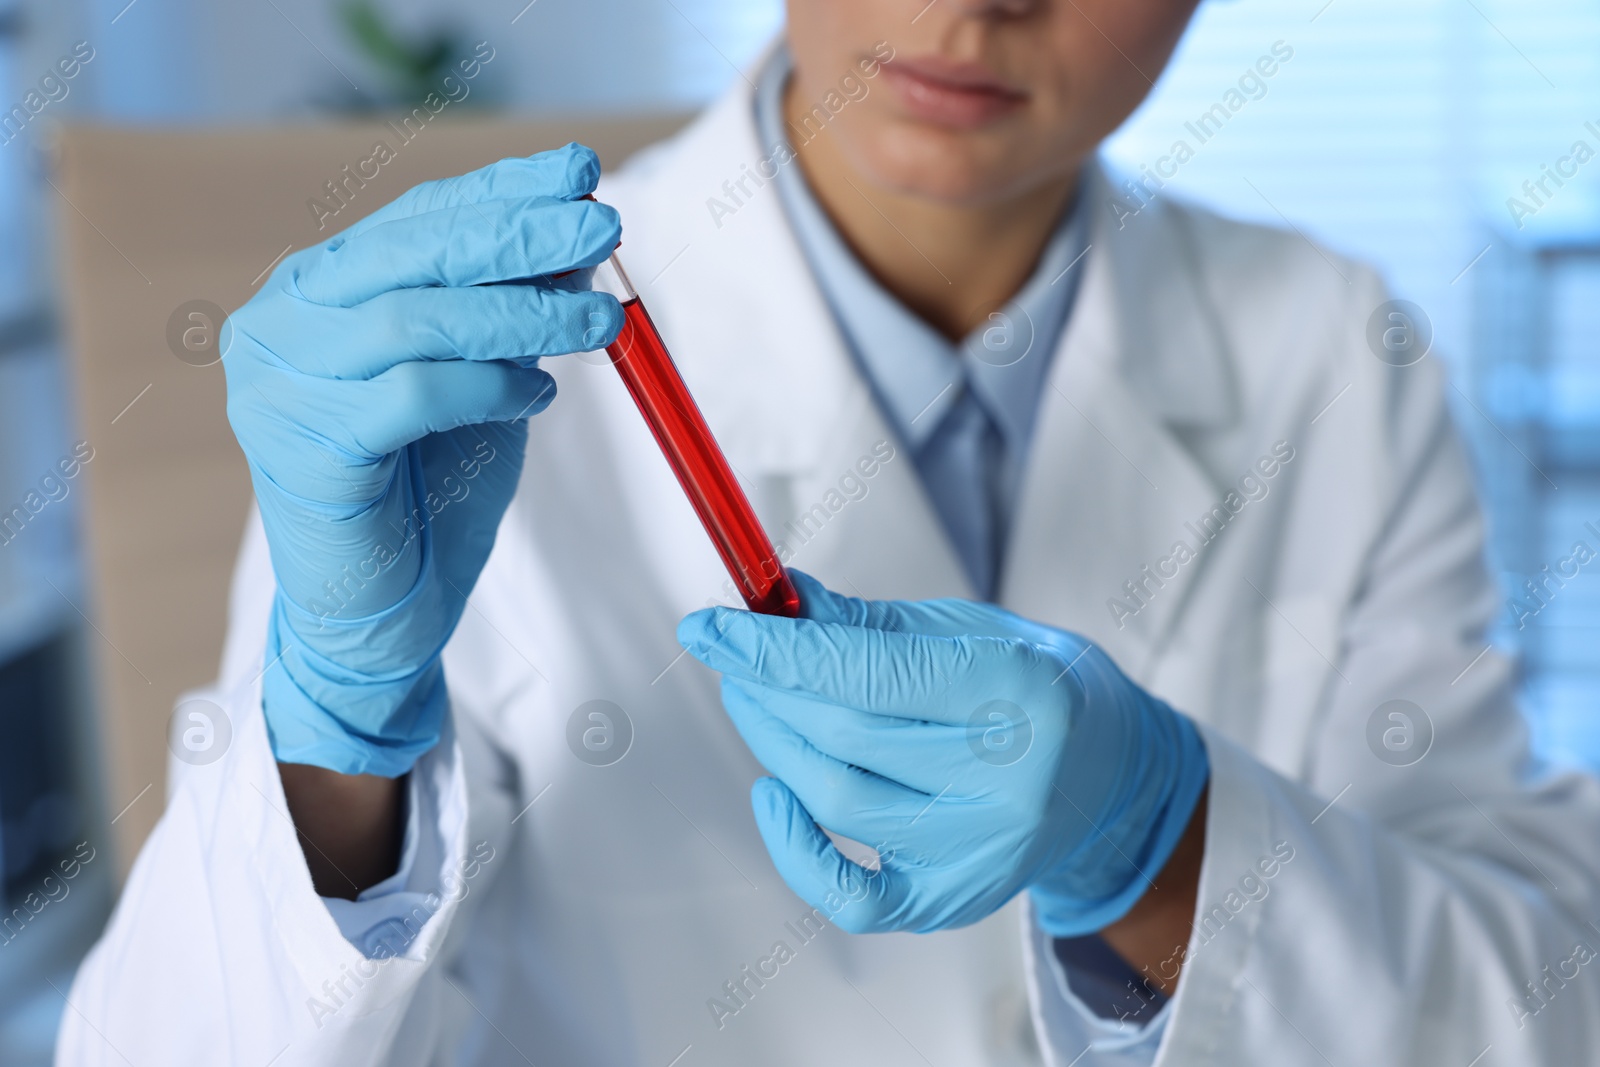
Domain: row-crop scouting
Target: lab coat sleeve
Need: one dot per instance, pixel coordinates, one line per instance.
(1070, 1026)
(1430, 903)
(220, 950)
(382, 919)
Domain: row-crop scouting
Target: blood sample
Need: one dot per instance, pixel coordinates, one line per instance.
(653, 380)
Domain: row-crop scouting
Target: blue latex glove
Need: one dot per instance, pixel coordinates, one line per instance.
(379, 385)
(980, 753)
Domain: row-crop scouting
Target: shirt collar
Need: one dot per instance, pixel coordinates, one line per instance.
(916, 372)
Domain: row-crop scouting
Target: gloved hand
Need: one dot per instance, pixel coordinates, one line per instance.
(980, 753)
(379, 385)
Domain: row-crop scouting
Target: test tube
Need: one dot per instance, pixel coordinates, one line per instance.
(653, 380)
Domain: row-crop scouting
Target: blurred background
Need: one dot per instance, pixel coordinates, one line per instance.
(1419, 136)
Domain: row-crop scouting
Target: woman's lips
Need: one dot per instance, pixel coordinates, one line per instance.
(948, 93)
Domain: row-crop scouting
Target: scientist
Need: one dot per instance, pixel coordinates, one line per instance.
(1141, 713)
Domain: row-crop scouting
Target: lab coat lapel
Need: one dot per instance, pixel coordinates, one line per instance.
(1111, 492)
(877, 535)
(716, 255)
(713, 257)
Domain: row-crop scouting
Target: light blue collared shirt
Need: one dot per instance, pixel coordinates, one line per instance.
(923, 380)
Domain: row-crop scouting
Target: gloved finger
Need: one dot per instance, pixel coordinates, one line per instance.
(480, 322)
(938, 679)
(945, 617)
(412, 400)
(472, 244)
(569, 172)
(857, 900)
(845, 799)
(927, 758)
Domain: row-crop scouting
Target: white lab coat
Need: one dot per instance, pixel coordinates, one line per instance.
(1415, 901)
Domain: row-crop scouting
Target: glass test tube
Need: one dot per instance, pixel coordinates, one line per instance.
(653, 380)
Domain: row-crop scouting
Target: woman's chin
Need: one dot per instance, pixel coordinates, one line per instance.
(944, 170)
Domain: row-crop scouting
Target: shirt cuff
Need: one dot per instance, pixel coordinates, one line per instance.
(1069, 1030)
(1104, 981)
(385, 919)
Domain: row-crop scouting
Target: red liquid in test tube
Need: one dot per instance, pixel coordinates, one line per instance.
(653, 380)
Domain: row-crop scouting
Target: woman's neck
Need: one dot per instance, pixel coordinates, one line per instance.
(951, 265)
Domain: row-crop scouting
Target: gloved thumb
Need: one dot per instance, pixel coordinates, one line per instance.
(857, 900)
(948, 617)
(819, 602)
